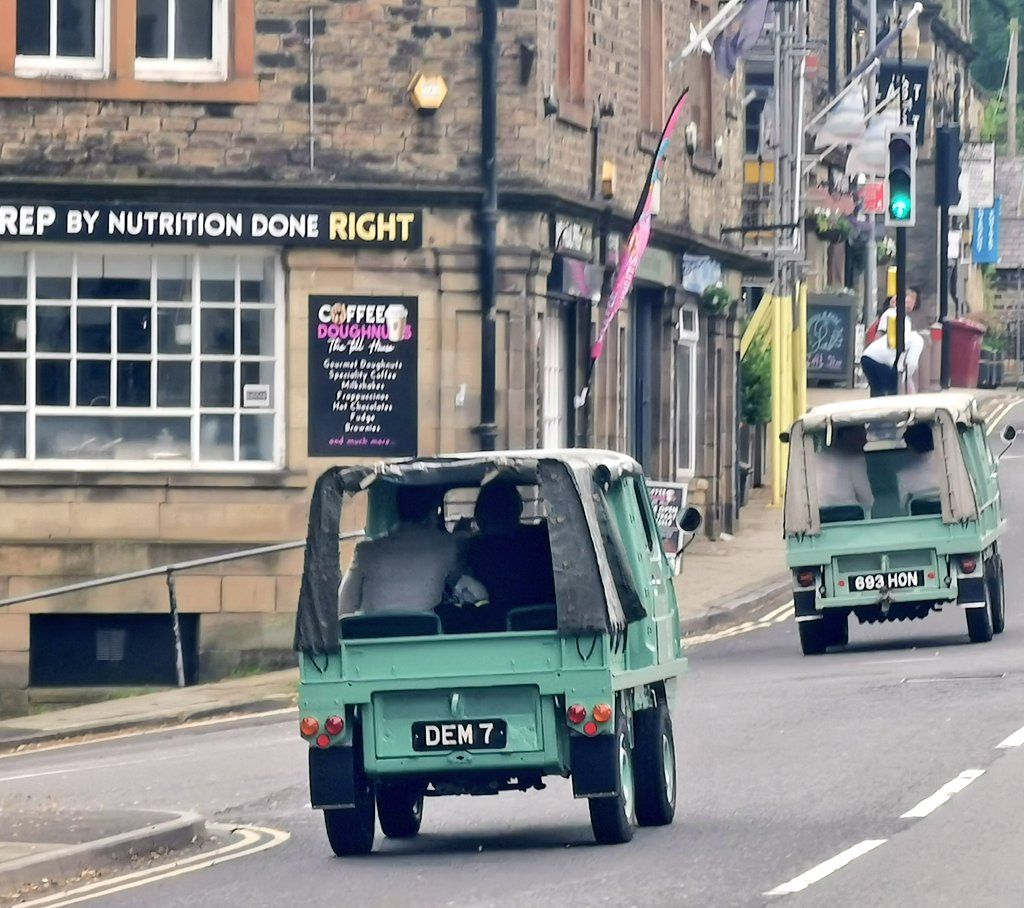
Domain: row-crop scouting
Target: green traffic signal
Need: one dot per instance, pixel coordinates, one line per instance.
(900, 207)
(900, 171)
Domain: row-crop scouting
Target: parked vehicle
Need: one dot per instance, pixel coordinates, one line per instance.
(566, 665)
(893, 510)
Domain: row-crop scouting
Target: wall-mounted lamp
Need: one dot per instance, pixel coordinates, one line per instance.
(605, 109)
(427, 92)
(719, 151)
(690, 134)
(608, 173)
(527, 56)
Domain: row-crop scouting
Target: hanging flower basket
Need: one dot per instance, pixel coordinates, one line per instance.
(832, 226)
(886, 250)
(717, 300)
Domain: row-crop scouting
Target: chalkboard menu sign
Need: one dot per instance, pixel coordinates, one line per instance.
(362, 376)
(668, 499)
(830, 337)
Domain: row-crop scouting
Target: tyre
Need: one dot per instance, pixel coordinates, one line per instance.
(654, 766)
(979, 621)
(350, 830)
(837, 628)
(997, 595)
(813, 637)
(612, 818)
(400, 809)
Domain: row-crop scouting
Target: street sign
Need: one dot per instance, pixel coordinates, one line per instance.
(872, 194)
(985, 245)
(978, 162)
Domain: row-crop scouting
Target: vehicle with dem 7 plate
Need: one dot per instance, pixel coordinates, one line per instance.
(553, 649)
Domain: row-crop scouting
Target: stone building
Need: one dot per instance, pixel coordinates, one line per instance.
(233, 251)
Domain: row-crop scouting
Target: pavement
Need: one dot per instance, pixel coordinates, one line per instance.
(721, 581)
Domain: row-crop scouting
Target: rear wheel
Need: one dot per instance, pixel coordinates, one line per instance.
(654, 766)
(979, 620)
(400, 808)
(612, 818)
(813, 637)
(997, 594)
(350, 830)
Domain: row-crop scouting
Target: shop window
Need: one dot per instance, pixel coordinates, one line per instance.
(61, 37)
(652, 66)
(686, 391)
(138, 359)
(572, 60)
(181, 39)
(129, 50)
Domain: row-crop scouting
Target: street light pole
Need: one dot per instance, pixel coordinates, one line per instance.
(901, 258)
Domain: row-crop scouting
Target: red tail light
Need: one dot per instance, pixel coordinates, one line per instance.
(576, 713)
(969, 564)
(590, 728)
(323, 741)
(805, 577)
(334, 725)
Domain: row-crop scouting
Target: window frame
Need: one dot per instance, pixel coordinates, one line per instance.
(652, 66)
(704, 78)
(35, 66)
(572, 61)
(120, 81)
(170, 68)
(194, 410)
(689, 338)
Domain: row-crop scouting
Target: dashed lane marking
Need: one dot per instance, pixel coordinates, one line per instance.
(822, 870)
(776, 616)
(935, 801)
(1014, 740)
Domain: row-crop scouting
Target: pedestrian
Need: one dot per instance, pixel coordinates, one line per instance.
(878, 361)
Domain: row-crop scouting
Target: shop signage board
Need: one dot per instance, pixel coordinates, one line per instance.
(978, 162)
(341, 227)
(363, 387)
(668, 499)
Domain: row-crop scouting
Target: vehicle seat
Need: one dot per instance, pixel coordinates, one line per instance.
(390, 624)
(839, 513)
(533, 618)
(925, 505)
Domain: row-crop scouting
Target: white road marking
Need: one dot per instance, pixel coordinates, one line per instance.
(815, 874)
(1001, 412)
(1015, 740)
(940, 797)
(776, 616)
(103, 738)
(72, 769)
(254, 840)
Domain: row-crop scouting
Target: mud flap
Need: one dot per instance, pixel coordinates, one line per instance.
(594, 765)
(971, 592)
(332, 777)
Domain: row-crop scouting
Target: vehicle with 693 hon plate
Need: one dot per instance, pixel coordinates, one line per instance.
(554, 648)
(893, 510)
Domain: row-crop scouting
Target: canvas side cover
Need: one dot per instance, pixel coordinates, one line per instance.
(800, 514)
(959, 501)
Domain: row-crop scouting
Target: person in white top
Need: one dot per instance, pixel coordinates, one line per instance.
(843, 471)
(920, 476)
(879, 359)
(406, 569)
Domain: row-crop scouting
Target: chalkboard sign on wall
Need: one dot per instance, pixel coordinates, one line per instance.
(362, 376)
(831, 325)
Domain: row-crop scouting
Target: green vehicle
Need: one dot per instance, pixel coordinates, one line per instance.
(893, 510)
(552, 648)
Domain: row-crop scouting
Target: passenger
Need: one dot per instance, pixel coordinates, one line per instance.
(406, 569)
(920, 476)
(513, 561)
(843, 471)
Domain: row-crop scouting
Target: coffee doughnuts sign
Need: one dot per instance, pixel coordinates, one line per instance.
(362, 376)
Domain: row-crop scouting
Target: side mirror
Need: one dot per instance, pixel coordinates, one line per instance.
(784, 437)
(689, 520)
(1009, 433)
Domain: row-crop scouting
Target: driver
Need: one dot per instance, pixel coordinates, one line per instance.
(843, 471)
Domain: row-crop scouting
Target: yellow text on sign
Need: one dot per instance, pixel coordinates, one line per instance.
(371, 226)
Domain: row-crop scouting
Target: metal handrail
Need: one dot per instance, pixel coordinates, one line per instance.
(168, 571)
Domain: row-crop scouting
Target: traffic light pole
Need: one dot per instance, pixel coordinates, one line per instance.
(901, 307)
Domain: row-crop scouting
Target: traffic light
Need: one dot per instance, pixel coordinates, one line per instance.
(900, 169)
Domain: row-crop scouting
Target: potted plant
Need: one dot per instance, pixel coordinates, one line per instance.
(717, 299)
(832, 226)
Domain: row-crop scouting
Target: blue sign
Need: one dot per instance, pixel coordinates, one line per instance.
(985, 245)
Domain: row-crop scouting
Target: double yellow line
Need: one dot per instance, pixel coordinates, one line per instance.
(1001, 412)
